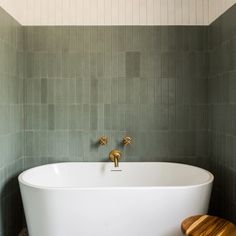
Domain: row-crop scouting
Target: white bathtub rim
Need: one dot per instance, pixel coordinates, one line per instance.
(40, 187)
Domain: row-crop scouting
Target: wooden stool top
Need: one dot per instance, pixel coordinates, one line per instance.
(205, 225)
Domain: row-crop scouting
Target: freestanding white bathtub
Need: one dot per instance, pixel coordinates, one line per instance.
(96, 199)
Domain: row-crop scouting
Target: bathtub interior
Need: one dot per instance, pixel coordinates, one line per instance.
(104, 175)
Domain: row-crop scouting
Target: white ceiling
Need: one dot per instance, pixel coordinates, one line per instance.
(116, 12)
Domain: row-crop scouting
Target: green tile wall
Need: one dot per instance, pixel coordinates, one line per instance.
(11, 123)
(222, 112)
(171, 88)
(84, 82)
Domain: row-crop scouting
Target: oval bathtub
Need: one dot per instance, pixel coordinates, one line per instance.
(96, 199)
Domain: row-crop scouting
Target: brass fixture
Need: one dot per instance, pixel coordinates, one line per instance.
(103, 140)
(115, 156)
(127, 140)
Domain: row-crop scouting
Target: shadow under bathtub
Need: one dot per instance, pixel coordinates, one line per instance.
(11, 208)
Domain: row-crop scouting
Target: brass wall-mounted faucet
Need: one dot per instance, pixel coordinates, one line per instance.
(115, 156)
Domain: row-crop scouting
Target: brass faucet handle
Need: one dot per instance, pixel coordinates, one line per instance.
(127, 140)
(103, 140)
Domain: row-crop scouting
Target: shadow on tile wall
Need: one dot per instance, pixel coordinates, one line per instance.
(222, 112)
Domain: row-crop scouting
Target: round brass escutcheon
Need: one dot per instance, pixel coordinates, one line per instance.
(103, 140)
(115, 154)
(127, 140)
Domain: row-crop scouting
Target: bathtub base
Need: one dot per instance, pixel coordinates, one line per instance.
(128, 212)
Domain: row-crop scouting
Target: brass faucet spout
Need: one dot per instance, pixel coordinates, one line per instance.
(116, 161)
(115, 156)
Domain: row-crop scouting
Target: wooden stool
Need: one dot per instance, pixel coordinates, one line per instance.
(206, 225)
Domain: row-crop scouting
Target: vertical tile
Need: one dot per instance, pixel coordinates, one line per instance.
(51, 117)
(76, 144)
(132, 64)
(43, 91)
(93, 117)
(94, 91)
